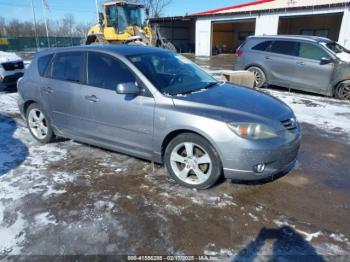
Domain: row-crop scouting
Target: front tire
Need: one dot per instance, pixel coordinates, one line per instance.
(192, 161)
(259, 76)
(38, 124)
(342, 91)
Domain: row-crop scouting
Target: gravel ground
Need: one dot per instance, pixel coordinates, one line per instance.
(67, 198)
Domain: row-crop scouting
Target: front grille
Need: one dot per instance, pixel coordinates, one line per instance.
(10, 66)
(290, 123)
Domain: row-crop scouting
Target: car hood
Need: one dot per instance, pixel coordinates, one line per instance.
(8, 57)
(235, 101)
(345, 57)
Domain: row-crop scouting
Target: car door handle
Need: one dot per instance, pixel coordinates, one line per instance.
(267, 58)
(48, 90)
(300, 63)
(92, 98)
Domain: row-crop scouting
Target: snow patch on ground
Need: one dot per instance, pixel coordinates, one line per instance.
(308, 236)
(326, 113)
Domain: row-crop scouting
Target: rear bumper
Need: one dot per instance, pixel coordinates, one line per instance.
(10, 79)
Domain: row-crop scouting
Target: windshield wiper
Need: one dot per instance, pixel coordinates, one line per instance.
(209, 85)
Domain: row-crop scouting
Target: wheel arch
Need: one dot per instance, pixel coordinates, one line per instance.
(90, 39)
(27, 104)
(261, 67)
(171, 135)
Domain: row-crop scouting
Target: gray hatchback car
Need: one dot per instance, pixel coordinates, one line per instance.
(157, 105)
(308, 63)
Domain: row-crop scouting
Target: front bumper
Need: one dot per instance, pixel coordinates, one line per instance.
(276, 158)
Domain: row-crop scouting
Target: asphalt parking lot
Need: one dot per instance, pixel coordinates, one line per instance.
(68, 198)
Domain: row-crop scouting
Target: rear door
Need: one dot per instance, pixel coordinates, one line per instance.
(124, 121)
(312, 75)
(62, 91)
(280, 59)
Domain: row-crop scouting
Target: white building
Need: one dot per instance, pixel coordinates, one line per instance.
(224, 29)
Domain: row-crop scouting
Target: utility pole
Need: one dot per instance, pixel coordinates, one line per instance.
(35, 30)
(44, 4)
(97, 10)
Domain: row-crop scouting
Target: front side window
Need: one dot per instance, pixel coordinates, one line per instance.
(284, 48)
(43, 62)
(172, 74)
(107, 72)
(310, 51)
(67, 67)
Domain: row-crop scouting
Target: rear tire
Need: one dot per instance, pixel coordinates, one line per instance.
(259, 76)
(38, 124)
(192, 161)
(342, 91)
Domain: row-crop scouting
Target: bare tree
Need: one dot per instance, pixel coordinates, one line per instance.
(2, 26)
(66, 27)
(154, 7)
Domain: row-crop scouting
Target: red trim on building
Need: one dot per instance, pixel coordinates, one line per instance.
(214, 11)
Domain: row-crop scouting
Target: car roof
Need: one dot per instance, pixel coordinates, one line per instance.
(123, 50)
(294, 37)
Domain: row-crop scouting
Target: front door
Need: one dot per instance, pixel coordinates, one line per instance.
(123, 121)
(312, 75)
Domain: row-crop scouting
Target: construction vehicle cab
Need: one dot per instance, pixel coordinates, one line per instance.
(123, 23)
(120, 23)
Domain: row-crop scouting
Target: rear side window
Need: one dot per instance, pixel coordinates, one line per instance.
(43, 62)
(67, 67)
(285, 48)
(107, 72)
(311, 51)
(263, 46)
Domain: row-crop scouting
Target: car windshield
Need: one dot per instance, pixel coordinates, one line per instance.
(172, 74)
(336, 48)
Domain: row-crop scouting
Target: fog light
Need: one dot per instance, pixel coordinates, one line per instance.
(259, 168)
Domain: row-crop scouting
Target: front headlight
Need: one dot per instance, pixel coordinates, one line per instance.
(252, 130)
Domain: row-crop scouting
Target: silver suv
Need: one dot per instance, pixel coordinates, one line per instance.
(308, 63)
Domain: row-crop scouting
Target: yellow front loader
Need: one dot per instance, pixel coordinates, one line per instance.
(122, 23)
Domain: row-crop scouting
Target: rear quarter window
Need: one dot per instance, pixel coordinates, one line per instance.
(263, 46)
(67, 67)
(43, 63)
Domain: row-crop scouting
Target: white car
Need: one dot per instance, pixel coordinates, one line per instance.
(11, 68)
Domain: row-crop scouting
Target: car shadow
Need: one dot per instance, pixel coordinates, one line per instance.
(12, 151)
(286, 89)
(288, 245)
(260, 181)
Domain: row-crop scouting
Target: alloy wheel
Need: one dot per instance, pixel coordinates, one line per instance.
(37, 123)
(344, 92)
(191, 163)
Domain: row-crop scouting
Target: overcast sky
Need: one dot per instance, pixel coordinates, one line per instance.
(85, 11)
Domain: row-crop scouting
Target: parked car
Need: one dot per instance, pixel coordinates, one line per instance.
(155, 104)
(11, 68)
(308, 63)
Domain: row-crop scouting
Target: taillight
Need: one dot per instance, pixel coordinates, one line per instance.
(239, 53)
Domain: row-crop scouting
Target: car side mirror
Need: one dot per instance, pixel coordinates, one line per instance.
(129, 88)
(326, 60)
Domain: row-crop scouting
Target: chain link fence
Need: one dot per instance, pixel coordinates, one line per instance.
(31, 44)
